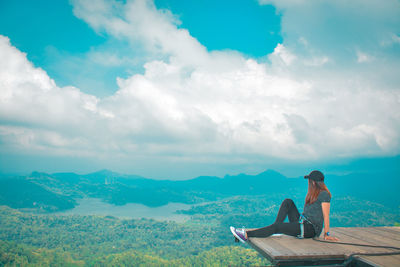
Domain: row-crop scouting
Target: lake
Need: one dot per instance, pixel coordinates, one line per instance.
(95, 206)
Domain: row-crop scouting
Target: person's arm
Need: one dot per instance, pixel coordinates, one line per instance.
(325, 211)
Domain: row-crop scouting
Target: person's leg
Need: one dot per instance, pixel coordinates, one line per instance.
(289, 209)
(291, 228)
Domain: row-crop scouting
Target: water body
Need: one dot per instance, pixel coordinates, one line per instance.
(95, 206)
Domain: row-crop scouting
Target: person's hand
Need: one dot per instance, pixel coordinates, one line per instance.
(330, 238)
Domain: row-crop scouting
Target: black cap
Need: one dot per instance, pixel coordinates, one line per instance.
(316, 176)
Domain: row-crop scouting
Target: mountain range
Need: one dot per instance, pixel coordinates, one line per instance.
(59, 191)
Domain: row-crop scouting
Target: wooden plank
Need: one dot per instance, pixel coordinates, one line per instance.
(369, 238)
(380, 231)
(278, 250)
(393, 230)
(362, 237)
(269, 247)
(382, 238)
(289, 243)
(282, 251)
(306, 248)
(310, 249)
(293, 260)
(298, 249)
(343, 249)
(264, 252)
(374, 237)
(290, 250)
(345, 236)
(293, 246)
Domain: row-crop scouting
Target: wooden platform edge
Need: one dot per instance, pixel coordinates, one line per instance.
(262, 252)
(310, 261)
(280, 254)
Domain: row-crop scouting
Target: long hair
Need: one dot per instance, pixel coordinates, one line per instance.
(314, 188)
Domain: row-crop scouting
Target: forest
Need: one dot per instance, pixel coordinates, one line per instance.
(35, 232)
(41, 240)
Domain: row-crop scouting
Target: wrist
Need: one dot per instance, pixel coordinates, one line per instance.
(327, 234)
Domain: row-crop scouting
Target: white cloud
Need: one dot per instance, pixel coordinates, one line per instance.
(362, 57)
(282, 54)
(336, 28)
(396, 38)
(140, 20)
(200, 106)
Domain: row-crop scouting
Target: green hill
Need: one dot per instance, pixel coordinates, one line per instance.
(21, 193)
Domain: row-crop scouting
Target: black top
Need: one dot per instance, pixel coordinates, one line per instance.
(313, 212)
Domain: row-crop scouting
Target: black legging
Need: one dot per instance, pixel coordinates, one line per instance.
(288, 208)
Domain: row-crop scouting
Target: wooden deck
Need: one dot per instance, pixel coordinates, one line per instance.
(284, 250)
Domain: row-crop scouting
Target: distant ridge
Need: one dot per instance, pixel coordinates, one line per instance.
(380, 186)
(21, 193)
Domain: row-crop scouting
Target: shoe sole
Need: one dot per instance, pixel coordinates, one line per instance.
(235, 235)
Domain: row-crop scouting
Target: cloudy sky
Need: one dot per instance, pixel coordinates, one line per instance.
(177, 89)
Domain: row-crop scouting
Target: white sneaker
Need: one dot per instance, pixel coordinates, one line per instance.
(240, 234)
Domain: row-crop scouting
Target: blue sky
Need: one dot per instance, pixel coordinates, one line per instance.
(175, 89)
(244, 26)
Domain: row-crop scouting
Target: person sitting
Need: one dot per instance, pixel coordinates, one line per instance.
(315, 215)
